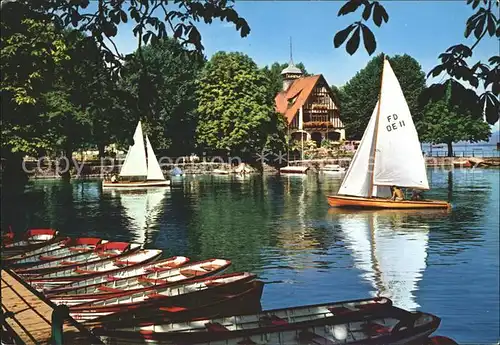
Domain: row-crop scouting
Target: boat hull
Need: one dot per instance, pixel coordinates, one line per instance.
(139, 184)
(378, 203)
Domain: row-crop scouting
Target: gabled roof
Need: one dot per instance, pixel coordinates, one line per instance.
(300, 90)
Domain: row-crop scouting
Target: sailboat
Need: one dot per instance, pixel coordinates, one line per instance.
(389, 155)
(137, 165)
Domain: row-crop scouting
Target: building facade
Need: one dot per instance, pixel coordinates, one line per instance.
(308, 106)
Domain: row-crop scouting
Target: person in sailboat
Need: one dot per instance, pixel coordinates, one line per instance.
(416, 195)
(397, 194)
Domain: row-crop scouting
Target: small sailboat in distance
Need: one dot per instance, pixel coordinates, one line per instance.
(389, 155)
(140, 171)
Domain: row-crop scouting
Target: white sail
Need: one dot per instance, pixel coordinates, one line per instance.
(357, 180)
(154, 170)
(135, 162)
(398, 155)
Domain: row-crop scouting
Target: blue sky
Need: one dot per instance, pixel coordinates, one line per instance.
(422, 29)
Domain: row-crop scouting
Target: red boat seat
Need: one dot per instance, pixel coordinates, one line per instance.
(273, 320)
(69, 262)
(173, 309)
(81, 271)
(210, 267)
(47, 258)
(151, 280)
(375, 329)
(111, 278)
(215, 327)
(191, 273)
(108, 289)
(156, 295)
(314, 338)
(125, 262)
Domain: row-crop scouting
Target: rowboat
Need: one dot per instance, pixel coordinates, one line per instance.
(33, 239)
(164, 295)
(127, 272)
(136, 165)
(386, 325)
(240, 298)
(159, 275)
(295, 315)
(67, 248)
(56, 244)
(101, 252)
(102, 267)
(389, 155)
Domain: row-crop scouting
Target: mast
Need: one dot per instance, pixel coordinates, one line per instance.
(375, 134)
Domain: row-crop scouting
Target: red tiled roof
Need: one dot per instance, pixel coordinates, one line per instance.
(300, 88)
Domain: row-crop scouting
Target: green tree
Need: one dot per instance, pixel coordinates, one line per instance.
(446, 122)
(455, 62)
(273, 72)
(359, 96)
(235, 107)
(168, 92)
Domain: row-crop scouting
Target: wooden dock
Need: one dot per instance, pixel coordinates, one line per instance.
(32, 315)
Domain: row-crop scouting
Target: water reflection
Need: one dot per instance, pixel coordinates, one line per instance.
(390, 248)
(142, 209)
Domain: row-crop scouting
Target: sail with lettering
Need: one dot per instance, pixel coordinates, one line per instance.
(398, 154)
(154, 169)
(135, 161)
(389, 153)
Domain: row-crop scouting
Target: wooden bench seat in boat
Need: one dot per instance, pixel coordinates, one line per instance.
(151, 280)
(314, 338)
(125, 262)
(210, 267)
(173, 309)
(273, 320)
(212, 283)
(109, 289)
(156, 295)
(67, 263)
(47, 258)
(82, 271)
(191, 273)
(215, 327)
(374, 329)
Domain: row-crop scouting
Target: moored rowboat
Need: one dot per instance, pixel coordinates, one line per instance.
(32, 239)
(378, 203)
(155, 275)
(101, 252)
(105, 266)
(158, 295)
(127, 272)
(216, 302)
(376, 325)
(67, 248)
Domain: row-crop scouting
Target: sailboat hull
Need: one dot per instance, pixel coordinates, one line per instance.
(138, 184)
(377, 203)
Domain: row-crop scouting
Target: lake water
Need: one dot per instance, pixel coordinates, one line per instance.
(282, 229)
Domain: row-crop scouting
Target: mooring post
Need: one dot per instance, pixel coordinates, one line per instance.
(60, 313)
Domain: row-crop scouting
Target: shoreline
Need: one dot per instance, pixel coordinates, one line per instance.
(92, 170)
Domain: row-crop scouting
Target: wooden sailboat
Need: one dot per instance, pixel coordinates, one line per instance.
(137, 165)
(389, 155)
